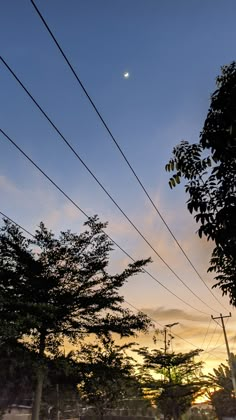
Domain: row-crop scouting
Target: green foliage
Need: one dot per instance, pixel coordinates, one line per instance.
(179, 381)
(209, 169)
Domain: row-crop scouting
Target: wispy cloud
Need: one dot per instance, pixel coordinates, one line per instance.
(7, 186)
(164, 314)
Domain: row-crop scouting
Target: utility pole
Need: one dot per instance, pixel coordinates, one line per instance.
(231, 365)
(166, 333)
(169, 326)
(167, 343)
(58, 403)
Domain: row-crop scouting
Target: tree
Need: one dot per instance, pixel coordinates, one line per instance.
(108, 376)
(222, 397)
(55, 288)
(209, 169)
(179, 380)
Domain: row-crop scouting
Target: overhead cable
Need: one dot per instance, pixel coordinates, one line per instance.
(206, 332)
(120, 150)
(87, 216)
(101, 185)
(163, 326)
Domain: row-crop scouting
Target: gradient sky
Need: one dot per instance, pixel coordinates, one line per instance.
(173, 51)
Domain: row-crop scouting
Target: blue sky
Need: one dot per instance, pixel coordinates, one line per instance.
(173, 51)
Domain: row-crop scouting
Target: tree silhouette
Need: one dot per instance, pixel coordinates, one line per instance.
(209, 169)
(56, 288)
(175, 380)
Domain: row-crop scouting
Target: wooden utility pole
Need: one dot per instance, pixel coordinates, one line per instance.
(168, 337)
(58, 402)
(165, 340)
(231, 365)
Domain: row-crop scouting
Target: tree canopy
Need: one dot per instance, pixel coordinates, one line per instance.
(209, 169)
(55, 288)
(174, 380)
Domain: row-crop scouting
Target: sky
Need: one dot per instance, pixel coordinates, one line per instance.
(173, 52)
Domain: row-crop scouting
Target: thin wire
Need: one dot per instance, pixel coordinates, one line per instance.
(218, 336)
(139, 310)
(84, 213)
(212, 354)
(234, 341)
(217, 323)
(208, 345)
(215, 346)
(176, 335)
(206, 332)
(101, 185)
(120, 149)
(17, 224)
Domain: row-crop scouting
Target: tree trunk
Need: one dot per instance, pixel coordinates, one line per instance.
(39, 379)
(38, 395)
(175, 415)
(101, 414)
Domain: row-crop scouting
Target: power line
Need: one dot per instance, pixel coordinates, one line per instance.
(101, 185)
(206, 332)
(215, 347)
(209, 343)
(162, 326)
(120, 150)
(218, 339)
(17, 224)
(158, 323)
(84, 213)
(217, 322)
(234, 341)
(139, 310)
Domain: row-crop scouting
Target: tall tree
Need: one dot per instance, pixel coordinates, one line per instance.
(55, 288)
(209, 169)
(179, 380)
